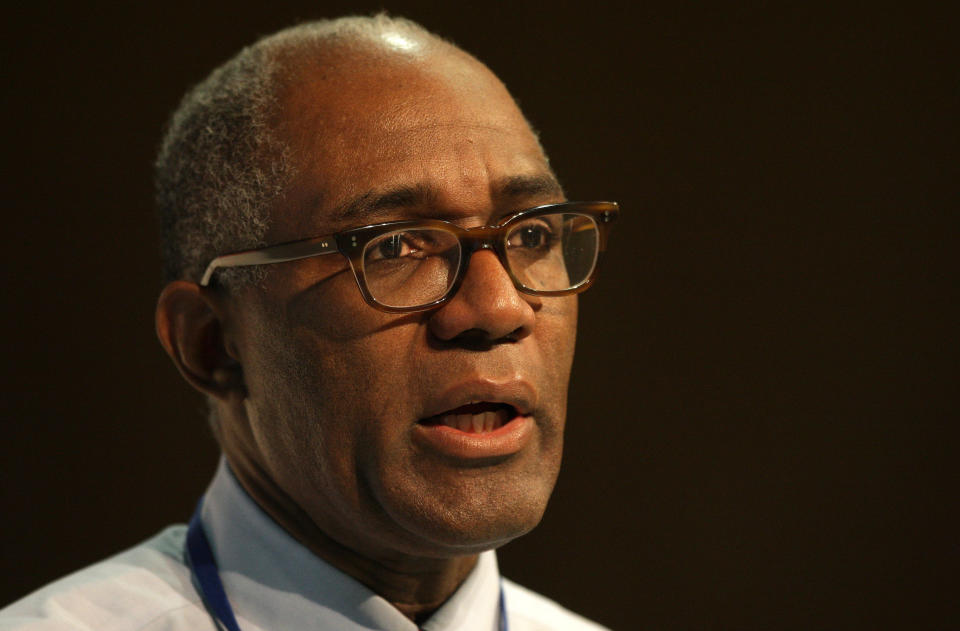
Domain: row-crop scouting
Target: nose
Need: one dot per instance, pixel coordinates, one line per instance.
(487, 308)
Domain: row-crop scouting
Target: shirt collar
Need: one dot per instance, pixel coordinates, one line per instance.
(274, 582)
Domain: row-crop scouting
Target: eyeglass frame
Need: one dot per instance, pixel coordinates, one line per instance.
(352, 243)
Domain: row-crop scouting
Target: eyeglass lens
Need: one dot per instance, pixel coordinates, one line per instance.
(551, 252)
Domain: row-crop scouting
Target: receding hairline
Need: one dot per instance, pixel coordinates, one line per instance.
(355, 41)
(343, 53)
(343, 49)
(348, 57)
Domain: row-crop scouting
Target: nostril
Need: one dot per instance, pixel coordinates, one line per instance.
(517, 334)
(479, 339)
(474, 340)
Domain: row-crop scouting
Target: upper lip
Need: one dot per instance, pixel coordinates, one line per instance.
(514, 391)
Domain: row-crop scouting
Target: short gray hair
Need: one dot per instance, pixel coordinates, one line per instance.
(221, 164)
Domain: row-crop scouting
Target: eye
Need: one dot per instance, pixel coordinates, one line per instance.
(391, 247)
(394, 246)
(532, 235)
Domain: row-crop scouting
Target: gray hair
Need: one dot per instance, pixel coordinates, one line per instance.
(221, 164)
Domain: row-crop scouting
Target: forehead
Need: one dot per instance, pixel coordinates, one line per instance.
(367, 124)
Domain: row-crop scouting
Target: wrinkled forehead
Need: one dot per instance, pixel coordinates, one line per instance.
(367, 118)
(354, 94)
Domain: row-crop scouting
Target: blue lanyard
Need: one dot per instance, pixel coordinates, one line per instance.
(206, 575)
(206, 578)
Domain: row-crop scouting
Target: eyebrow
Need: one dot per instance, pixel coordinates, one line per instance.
(519, 186)
(371, 203)
(514, 188)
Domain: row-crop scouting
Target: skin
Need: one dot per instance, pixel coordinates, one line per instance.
(319, 394)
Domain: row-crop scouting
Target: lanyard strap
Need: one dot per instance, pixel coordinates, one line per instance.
(503, 610)
(206, 575)
(206, 578)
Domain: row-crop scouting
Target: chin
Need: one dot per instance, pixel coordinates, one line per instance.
(472, 535)
(483, 516)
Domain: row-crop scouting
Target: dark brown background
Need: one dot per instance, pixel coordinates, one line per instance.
(762, 422)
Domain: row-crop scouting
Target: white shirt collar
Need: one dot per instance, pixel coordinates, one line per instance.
(274, 582)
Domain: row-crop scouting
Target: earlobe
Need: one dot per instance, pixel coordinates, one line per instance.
(191, 331)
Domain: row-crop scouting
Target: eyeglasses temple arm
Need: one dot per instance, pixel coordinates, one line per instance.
(273, 254)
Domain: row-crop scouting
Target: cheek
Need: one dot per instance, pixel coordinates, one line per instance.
(322, 373)
(330, 307)
(319, 419)
(556, 336)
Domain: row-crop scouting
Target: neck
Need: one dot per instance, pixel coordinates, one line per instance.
(416, 587)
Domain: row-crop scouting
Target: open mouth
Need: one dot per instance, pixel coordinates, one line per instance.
(474, 418)
(476, 432)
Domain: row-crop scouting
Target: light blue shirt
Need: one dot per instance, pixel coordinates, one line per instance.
(272, 581)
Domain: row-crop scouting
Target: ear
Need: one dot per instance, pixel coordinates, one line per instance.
(191, 331)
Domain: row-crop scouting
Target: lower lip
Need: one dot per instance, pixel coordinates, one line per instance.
(503, 441)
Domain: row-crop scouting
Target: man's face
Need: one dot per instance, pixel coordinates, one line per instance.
(348, 406)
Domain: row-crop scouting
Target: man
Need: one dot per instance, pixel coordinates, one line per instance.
(387, 379)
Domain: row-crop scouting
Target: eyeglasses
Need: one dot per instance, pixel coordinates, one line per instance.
(404, 266)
